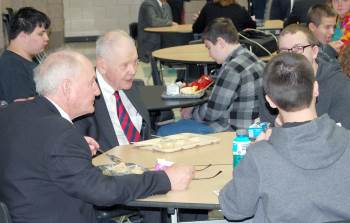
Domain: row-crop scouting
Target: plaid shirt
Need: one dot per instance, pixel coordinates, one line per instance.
(234, 102)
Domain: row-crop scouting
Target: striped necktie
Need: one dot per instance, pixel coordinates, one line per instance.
(128, 127)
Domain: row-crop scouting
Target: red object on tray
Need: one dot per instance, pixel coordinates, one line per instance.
(203, 82)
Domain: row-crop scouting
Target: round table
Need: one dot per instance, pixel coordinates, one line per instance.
(186, 54)
(184, 28)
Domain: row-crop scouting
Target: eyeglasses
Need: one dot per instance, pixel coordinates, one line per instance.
(295, 49)
(207, 178)
(339, 1)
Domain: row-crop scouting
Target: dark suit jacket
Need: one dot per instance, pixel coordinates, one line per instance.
(46, 174)
(300, 10)
(280, 9)
(151, 15)
(99, 126)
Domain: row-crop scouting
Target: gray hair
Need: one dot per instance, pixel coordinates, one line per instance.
(109, 40)
(57, 67)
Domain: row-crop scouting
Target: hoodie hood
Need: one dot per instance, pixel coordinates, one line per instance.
(326, 69)
(316, 144)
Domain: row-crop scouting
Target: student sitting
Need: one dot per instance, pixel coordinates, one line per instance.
(300, 172)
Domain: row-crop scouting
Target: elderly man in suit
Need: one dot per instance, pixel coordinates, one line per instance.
(152, 13)
(116, 63)
(46, 170)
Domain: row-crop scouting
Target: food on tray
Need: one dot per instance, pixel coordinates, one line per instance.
(189, 90)
(192, 88)
(172, 89)
(121, 169)
(202, 83)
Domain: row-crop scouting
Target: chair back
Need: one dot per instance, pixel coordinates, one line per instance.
(133, 30)
(4, 214)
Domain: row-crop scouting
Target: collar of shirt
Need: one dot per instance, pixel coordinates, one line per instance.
(160, 3)
(61, 111)
(108, 94)
(291, 5)
(104, 86)
(237, 51)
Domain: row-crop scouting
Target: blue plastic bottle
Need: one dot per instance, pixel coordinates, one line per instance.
(240, 144)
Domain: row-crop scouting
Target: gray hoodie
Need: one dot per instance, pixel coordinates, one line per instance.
(301, 174)
(334, 92)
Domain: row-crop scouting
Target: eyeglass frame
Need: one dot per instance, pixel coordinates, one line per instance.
(299, 49)
(338, 1)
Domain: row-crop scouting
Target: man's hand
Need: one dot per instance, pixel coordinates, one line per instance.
(337, 45)
(94, 146)
(264, 135)
(186, 113)
(174, 23)
(180, 176)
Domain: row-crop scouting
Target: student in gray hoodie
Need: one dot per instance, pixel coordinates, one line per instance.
(334, 86)
(299, 173)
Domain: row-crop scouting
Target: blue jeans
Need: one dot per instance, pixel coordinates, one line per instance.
(184, 125)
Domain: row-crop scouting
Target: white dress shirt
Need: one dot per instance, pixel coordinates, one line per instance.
(61, 111)
(160, 3)
(108, 95)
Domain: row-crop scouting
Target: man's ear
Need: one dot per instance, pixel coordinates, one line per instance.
(312, 26)
(66, 87)
(22, 35)
(315, 50)
(101, 65)
(315, 90)
(221, 42)
(271, 103)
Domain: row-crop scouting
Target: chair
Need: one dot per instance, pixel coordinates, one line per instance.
(4, 214)
(133, 30)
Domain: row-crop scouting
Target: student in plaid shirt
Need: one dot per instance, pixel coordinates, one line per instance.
(233, 103)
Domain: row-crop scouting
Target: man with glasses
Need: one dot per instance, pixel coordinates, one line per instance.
(299, 172)
(334, 86)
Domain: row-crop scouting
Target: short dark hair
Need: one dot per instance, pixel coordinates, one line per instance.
(319, 11)
(288, 80)
(294, 28)
(27, 19)
(221, 27)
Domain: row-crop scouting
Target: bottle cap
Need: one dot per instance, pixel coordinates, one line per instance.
(241, 132)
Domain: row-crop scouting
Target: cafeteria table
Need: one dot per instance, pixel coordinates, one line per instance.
(208, 161)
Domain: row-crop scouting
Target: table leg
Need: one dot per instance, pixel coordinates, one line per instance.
(173, 215)
(156, 74)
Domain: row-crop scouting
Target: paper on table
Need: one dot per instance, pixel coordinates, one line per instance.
(177, 142)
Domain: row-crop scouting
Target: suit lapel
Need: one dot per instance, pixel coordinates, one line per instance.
(104, 121)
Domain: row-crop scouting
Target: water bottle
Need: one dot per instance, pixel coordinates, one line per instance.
(240, 144)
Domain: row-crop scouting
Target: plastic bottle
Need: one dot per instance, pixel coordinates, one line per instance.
(240, 144)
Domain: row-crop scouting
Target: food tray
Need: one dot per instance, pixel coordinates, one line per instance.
(119, 169)
(182, 96)
(177, 142)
